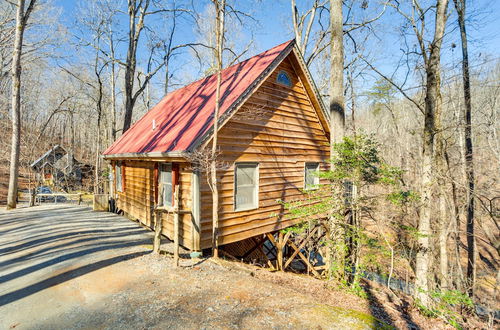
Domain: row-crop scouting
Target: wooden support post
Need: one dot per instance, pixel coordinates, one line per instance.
(176, 226)
(158, 224)
(301, 246)
(280, 247)
(32, 196)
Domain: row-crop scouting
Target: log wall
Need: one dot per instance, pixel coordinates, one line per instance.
(278, 128)
(137, 199)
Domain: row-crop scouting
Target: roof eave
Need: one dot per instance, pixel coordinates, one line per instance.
(314, 88)
(156, 154)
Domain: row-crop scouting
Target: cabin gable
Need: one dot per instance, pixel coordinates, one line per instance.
(271, 138)
(279, 128)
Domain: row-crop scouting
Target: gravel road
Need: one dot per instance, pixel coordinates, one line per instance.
(65, 266)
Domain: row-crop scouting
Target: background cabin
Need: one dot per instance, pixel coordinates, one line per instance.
(59, 168)
(273, 138)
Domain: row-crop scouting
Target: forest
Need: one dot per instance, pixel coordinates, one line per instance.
(413, 90)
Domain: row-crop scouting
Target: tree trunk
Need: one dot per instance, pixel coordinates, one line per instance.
(112, 129)
(220, 8)
(130, 68)
(443, 242)
(21, 19)
(455, 210)
(469, 164)
(353, 102)
(337, 116)
(431, 113)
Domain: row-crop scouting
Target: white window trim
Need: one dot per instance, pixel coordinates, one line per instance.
(119, 167)
(316, 178)
(257, 182)
(160, 185)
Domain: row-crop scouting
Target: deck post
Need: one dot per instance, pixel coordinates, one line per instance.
(176, 226)
(280, 247)
(157, 238)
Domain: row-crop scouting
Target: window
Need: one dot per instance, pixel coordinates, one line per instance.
(165, 185)
(284, 79)
(311, 176)
(118, 174)
(246, 193)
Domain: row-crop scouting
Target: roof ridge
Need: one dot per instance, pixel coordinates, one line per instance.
(227, 68)
(182, 116)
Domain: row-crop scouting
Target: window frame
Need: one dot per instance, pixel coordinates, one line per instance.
(161, 197)
(119, 176)
(290, 84)
(315, 185)
(255, 206)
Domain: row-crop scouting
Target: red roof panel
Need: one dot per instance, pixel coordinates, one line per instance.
(184, 115)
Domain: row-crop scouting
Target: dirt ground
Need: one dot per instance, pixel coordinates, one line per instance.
(65, 266)
(4, 181)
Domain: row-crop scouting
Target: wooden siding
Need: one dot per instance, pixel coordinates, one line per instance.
(138, 198)
(185, 220)
(278, 128)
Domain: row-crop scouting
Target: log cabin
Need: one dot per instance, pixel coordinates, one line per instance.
(273, 137)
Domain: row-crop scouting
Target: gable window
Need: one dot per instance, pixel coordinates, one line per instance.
(118, 175)
(284, 79)
(165, 185)
(311, 176)
(246, 186)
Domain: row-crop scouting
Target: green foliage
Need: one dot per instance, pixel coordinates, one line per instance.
(297, 229)
(445, 304)
(355, 158)
(355, 166)
(105, 172)
(402, 197)
(354, 287)
(453, 297)
(381, 94)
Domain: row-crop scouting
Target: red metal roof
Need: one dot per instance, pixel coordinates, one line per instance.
(186, 114)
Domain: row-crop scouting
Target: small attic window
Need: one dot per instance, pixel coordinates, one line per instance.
(284, 79)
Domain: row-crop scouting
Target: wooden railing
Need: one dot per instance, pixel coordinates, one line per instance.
(78, 196)
(158, 223)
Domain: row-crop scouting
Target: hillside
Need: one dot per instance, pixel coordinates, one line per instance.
(4, 181)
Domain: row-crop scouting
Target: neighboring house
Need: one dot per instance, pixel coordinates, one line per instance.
(273, 137)
(59, 168)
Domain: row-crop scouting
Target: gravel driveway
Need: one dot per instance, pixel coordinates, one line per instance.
(44, 248)
(66, 267)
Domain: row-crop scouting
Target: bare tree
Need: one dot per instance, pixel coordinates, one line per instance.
(303, 27)
(337, 104)
(460, 6)
(220, 12)
(137, 12)
(432, 147)
(22, 17)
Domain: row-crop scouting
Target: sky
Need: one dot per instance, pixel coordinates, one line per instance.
(272, 26)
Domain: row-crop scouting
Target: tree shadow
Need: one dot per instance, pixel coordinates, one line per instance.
(51, 250)
(379, 311)
(60, 237)
(69, 256)
(64, 277)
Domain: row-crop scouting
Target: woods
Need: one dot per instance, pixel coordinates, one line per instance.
(411, 193)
